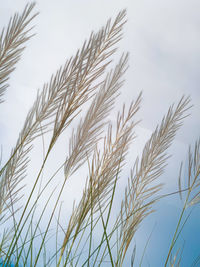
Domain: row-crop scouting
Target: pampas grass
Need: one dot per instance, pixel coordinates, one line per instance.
(86, 79)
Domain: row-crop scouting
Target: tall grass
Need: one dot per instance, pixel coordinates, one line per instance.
(85, 80)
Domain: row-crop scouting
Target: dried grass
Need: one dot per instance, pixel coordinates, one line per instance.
(82, 80)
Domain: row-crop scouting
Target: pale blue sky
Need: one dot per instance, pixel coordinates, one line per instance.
(164, 44)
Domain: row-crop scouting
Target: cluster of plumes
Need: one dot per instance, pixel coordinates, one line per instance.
(60, 100)
(83, 78)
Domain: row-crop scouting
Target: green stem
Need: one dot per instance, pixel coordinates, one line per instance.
(177, 228)
(16, 237)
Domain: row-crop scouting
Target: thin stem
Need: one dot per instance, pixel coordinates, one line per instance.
(11, 248)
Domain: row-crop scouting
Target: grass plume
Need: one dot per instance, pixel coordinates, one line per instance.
(12, 40)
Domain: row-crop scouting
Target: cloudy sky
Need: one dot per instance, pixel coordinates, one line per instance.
(164, 44)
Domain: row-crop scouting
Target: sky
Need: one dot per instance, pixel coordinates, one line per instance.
(163, 40)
